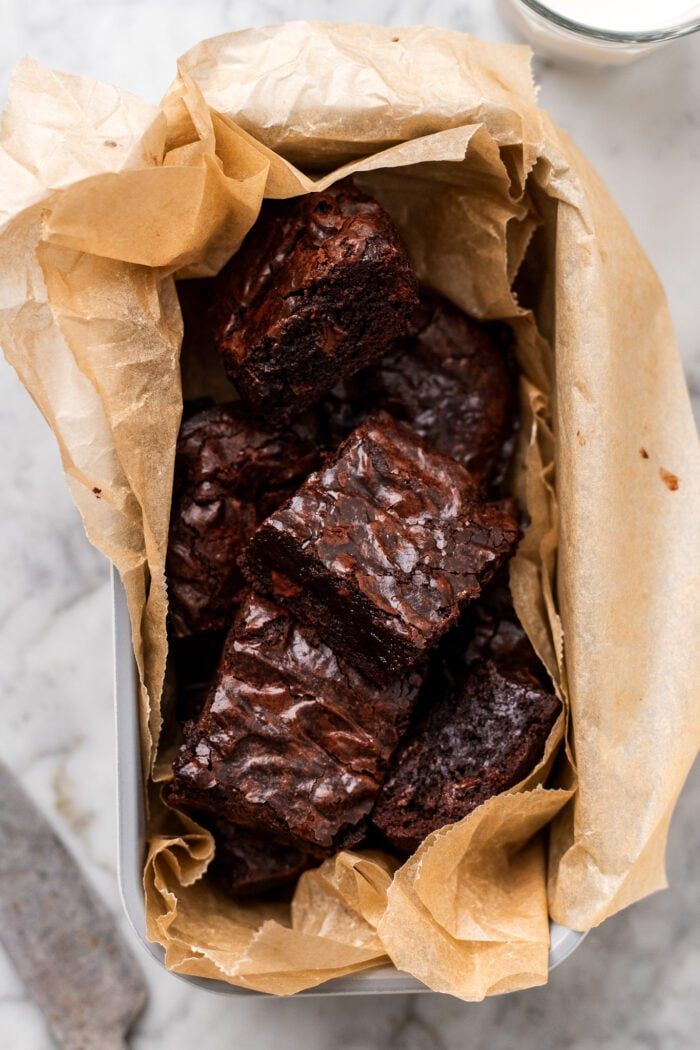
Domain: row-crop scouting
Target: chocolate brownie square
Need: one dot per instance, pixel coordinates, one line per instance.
(483, 729)
(321, 286)
(246, 864)
(382, 548)
(292, 743)
(452, 380)
(230, 472)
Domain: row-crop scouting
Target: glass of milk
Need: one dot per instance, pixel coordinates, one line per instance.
(606, 31)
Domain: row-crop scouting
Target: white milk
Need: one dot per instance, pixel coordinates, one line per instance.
(636, 18)
(626, 16)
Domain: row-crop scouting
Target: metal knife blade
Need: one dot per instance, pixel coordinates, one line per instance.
(62, 939)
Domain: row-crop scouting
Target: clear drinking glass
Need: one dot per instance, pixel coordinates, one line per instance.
(604, 31)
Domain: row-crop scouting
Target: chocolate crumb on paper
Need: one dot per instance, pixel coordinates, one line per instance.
(671, 481)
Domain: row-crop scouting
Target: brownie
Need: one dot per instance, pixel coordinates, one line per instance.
(246, 864)
(382, 548)
(490, 628)
(230, 472)
(481, 732)
(321, 286)
(292, 742)
(452, 380)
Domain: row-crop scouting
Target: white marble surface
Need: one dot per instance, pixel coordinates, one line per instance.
(635, 983)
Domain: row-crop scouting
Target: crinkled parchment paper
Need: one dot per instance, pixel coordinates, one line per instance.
(106, 199)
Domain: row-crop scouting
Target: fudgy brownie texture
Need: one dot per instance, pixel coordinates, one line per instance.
(483, 729)
(382, 548)
(320, 287)
(452, 380)
(246, 864)
(292, 742)
(230, 472)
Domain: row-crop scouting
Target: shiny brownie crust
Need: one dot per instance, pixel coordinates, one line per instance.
(292, 742)
(382, 548)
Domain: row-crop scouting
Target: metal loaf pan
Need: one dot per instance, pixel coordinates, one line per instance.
(385, 980)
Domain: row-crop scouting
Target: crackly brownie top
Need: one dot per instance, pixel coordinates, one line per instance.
(482, 731)
(294, 246)
(401, 521)
(450, 379)
(289, 732)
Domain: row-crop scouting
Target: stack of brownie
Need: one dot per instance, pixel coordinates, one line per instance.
(340, 535)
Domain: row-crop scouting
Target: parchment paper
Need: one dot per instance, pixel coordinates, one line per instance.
(105, 200)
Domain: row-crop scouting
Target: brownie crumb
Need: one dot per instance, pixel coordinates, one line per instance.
(671, 481)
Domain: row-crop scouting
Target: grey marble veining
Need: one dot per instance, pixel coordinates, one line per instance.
(635, 983)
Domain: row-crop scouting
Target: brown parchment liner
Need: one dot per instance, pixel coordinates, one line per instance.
(104, 199)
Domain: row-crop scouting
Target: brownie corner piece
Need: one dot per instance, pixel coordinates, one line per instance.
(381, 548)
(482, 732)
(320, 287)
(292, 743)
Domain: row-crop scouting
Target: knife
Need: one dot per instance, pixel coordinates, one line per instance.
(62, 939)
